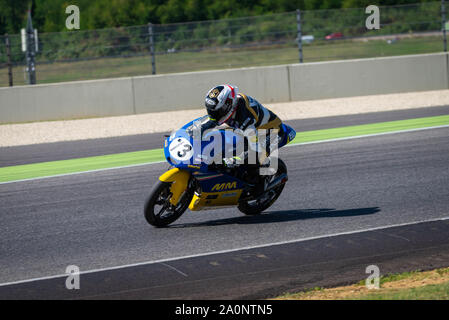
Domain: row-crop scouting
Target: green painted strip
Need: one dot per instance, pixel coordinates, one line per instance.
(52, 168)
(365, 129)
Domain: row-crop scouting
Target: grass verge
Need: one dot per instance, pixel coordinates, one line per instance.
(222, 59)
(428, 285)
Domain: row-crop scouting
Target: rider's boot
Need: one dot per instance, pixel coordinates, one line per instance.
(250, 175)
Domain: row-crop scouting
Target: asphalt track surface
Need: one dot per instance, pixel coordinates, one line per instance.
(348, 204)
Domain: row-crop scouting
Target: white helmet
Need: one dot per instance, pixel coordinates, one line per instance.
(221, 102)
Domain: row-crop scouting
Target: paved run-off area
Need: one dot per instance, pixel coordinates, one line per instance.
(71, 130)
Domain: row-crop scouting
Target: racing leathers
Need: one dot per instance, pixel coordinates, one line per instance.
(249, 119)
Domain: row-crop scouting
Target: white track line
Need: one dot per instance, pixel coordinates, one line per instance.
(288, 145)
(163, 261)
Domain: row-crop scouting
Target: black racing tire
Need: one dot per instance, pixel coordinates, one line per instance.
(160, 189)
(250, 209)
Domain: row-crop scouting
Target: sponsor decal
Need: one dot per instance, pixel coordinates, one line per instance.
(224, 186)
(291, 135)
(229, 195)
(214, 93)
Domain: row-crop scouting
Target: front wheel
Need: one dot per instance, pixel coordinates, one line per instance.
(159, 212)
(264, 201)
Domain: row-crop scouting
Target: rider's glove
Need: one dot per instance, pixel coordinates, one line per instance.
(231, 162)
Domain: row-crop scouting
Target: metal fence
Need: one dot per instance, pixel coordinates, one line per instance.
(229, 43)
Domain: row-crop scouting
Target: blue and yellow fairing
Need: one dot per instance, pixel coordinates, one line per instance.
(216, 190)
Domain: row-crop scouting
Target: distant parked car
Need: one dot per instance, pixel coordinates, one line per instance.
(307, 39)
(334, 35)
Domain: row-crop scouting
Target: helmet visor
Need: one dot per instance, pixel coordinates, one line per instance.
(216, 115)
(219, 114)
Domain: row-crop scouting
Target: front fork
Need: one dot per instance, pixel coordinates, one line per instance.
(180, 180)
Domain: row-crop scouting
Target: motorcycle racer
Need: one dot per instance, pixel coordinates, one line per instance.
(225, 105)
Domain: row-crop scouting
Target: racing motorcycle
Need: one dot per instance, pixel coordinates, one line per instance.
(199, 186)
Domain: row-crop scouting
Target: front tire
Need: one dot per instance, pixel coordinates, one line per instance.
(159, 212)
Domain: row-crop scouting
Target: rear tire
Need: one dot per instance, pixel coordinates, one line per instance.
(259, 206)
(160, 196)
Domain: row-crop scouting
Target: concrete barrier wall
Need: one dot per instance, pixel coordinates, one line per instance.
(361, 77)
(188, 90)
(70, 100)
(123, 96)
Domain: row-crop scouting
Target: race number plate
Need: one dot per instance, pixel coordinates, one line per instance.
(181, 149)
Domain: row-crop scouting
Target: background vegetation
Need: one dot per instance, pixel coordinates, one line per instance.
(49, 15)
(115, 35)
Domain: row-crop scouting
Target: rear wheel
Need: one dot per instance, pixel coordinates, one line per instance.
(265, 200)
(159, 212)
